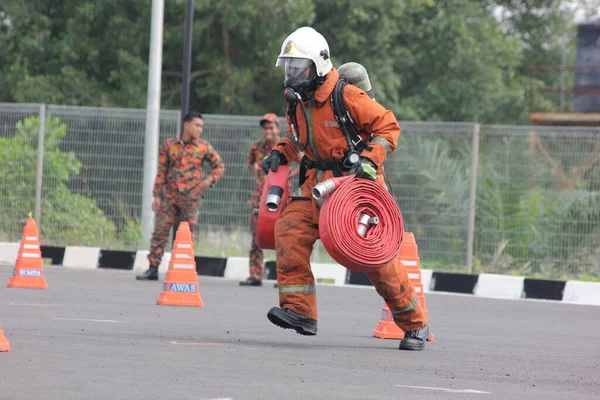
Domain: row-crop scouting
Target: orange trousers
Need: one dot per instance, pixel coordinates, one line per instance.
(295, 234)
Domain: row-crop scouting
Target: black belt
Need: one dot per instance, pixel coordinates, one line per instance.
(337, 166)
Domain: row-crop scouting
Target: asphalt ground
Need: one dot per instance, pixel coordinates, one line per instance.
(100, 335)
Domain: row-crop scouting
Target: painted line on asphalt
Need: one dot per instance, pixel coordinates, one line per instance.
(471, 391)
(198, 343)
(12, 303)
(84, 320)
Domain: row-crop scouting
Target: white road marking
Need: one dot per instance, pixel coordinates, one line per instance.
(199, 344)
(83, 319)
(12, 303)
(445, 389)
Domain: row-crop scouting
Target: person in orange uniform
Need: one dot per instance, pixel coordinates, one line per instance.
(310, 79)
(180, 184)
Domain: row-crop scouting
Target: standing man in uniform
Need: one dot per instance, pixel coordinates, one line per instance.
(180, 184)
(310, 79)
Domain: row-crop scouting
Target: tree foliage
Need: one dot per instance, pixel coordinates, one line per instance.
(428, 59)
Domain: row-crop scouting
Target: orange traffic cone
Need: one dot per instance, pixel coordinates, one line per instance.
(181, 286)
(4, 345)
(409, 257)
(387, 328)
(29, 267)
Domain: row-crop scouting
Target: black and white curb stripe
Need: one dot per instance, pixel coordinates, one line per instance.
(80, 257)
(508, 287)
(481, 285)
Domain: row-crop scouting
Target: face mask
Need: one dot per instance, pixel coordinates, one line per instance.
(300, 77)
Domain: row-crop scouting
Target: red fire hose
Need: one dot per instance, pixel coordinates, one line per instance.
(275, 197)
(360, 224)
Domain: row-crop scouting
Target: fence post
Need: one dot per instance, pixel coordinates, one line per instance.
(473, 197)
(179, 123)
(40, 165)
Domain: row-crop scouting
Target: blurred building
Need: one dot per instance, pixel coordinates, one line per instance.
(576, 100)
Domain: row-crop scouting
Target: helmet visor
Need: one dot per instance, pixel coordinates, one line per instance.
(295, 68)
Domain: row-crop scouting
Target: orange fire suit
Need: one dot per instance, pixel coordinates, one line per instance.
(297, 229)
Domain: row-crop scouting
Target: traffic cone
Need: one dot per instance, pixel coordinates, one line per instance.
(181, 286)
(387, 328)
(4, 345)
(409, 257)
(29, 267)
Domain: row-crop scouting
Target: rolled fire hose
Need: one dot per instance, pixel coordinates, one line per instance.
(275, 197)
(360, 224)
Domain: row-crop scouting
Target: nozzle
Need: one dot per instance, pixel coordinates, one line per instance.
(273, 202)
(365, 221)
(273, 199)
(323, 190)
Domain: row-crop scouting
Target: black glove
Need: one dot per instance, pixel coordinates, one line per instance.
(272, 161)
(364, 169)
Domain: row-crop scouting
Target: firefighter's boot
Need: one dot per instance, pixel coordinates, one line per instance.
(288, 319)
(415, 340)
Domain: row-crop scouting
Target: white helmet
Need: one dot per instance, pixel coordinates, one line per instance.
(300, 50)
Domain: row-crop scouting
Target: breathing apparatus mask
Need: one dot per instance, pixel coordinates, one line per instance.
(300, 77)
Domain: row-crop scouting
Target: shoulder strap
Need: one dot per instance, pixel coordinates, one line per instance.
(343, 117)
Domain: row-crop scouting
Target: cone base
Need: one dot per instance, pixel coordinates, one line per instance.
(388, 330)
(4, 345)
(27, 283)
(173, 299)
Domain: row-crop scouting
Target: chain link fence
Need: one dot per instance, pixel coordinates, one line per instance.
(503, 199)
(18, 157)
(538, 201)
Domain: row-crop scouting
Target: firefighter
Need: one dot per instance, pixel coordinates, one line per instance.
(309, 82)
(180, 184)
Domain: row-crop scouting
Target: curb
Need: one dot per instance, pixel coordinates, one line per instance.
(479, 285)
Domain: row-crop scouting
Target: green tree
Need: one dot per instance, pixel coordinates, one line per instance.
(96, 52)
(368, 32)
(463, 67)
(93, 53)
(236, 44)
(428, 59)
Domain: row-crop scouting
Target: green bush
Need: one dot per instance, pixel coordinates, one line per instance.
(66, 217)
